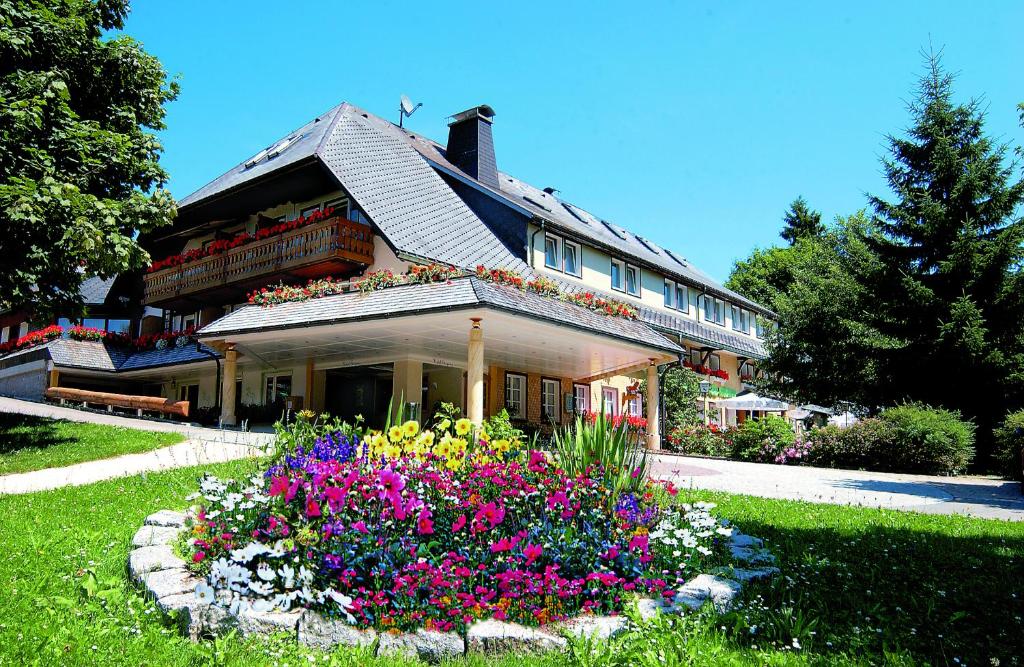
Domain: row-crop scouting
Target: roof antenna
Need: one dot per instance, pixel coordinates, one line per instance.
(406, 109)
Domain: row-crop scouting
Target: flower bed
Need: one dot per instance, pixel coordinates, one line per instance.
(221, 246)
(439, 529)
(33, 338)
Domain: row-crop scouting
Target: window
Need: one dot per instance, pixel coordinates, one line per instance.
(306, 212)
(515, 395)
(683, 298)
(714, 310)
(636, 405)
(571, 258)
(340, 205)
(758, 327)
(747, 371)
(581, 398)
(618, 275)
(355, 214)
(22, 329)
(553, 252)
(714, 362)
(119, 326)
(549, 390)
(188, 322)
(5, 334)
(670, 294)
(740, 320)
(632, 280)
(190, 393)
(609, 400)
(696, 357)
(278, 388)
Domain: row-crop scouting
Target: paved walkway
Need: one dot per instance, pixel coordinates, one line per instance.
(974, 496)
(202, 446)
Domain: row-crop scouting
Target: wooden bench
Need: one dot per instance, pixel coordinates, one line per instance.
(140, 404)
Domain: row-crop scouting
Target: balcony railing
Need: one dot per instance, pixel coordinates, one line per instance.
(320, 248)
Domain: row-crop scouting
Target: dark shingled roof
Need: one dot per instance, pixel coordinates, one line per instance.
(468, 292)
(99, 356)
(95, 290)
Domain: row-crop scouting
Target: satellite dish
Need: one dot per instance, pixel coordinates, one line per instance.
(406, 108)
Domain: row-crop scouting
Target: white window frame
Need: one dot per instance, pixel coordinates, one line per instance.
(183, 391)
(22, 329)
(339, 204)
(683, 304)
(550, 389)
(714, 362)
(621, 287)
(579, 258)
(637, 281)
(519, 413)
(636, 406)
(740, 320)
(717, 309)
(309, 210)
(581, 398)
(556, 242)
(5, 334)
(614, 401)
(191, 317)
(670, 294)
(273, 379)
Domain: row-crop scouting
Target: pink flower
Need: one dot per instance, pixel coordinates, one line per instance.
(198, 556)
(312, 508)
(335, 498)
(391, 484)
(558, 498)
(459, 523)
(424, 525)
(537, 461)
(532, 552)
(489, 516)
(360, 526)
(505, 544)
(278, 485)
(638, 542)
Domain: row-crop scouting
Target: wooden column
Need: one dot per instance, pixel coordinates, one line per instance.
(653, 427)
(475, 374)
(227, 386)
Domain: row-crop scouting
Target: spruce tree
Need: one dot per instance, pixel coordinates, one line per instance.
(801, 222)
(948, 278)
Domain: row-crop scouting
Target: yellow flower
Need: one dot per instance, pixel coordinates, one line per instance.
(443, 449)
(410, 428)
(427, 438)
(500, 446)
(463, 426)
(392, 451)
(308, 414)
(455, 462)
(484, 436)
(445, 423)
(395, 433)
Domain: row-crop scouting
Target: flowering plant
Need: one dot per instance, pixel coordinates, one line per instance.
(705, 370)
(431, 273)
(375, 280)
(600, 305)
(408, 528)
(314, 289)
(500, 276)
(33, 338)
(543, 286)
(221, 246)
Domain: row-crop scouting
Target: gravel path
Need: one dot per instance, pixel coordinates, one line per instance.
(984, 497)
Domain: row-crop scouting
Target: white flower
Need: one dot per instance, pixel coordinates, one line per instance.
(250, 551)
(260, 588)
(204, 593)
(287, 573)
(262, 605)
(704, 550)
(265, 572)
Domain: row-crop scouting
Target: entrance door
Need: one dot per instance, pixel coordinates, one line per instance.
(358, 391)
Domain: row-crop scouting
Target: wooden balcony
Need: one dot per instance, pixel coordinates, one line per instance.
(334, 247)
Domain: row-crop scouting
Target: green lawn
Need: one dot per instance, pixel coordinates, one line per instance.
(33, 443)
(860, 586)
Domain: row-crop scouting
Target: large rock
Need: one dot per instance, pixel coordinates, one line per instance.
(251, 622)
(162, 583)
(744, 541)
(144, 560)
(148, 536)
(598, 627)
(197, 619)
(493, 636)
(744, 575)
(721, 591)
(427, 645)
(752, 556)
(166, 518)
(320, 632)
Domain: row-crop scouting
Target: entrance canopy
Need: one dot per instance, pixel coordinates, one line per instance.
(752, 402)
(429, 323)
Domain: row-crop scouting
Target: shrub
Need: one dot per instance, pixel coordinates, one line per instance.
(1009, 445)
(603, 445)
(762, 439)
(928, 440)
(863, 444)
(700, 440)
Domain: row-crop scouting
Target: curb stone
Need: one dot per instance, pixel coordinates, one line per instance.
(153, 564)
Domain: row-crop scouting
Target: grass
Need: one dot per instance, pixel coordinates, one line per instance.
(33, 443)
(859, 586)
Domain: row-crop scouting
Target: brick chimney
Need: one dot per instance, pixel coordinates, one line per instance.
(471, 145)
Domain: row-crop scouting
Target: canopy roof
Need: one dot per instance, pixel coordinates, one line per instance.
(752, 402)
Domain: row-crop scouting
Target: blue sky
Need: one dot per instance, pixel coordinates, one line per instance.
(692, 124)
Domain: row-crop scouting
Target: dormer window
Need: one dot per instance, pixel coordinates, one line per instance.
(553, 252)
(618, 274)
(571, 258)
(632, 280)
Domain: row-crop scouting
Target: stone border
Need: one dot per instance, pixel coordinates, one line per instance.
(153, 565)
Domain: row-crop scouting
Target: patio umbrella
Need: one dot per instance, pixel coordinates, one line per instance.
(752, 402)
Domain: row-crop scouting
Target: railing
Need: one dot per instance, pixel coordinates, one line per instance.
(336, 239)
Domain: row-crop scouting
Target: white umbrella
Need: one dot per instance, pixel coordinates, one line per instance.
(752, 402)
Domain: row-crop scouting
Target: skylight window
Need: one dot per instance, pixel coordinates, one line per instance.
(277, 149)
(679, 260)
(256, 158)
(615, 230)
(650, 246)
(580, 214)
(536, 203)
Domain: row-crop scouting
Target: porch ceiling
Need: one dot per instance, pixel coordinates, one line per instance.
(510, 341)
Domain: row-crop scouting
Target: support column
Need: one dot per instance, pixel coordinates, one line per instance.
(227, 386)
(307, 399)
(54, 378)
(475, 374)
(653, 425)
(407, 385)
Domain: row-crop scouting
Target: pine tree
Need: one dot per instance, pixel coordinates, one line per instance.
(948, 281)
(801, 222)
